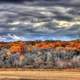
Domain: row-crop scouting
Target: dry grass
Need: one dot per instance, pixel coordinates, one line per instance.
(39, 75)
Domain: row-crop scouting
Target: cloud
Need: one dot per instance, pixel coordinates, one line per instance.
(13, 1)
(29, 17)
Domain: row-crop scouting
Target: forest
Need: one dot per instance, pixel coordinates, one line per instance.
(40, 54)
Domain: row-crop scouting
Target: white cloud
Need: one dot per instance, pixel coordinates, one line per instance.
(14, 23)
(66, 24)
(39, 24)
(46, 13)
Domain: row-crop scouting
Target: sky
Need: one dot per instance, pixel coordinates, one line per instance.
(39, 20)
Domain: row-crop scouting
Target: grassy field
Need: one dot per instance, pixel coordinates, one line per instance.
(39, 75)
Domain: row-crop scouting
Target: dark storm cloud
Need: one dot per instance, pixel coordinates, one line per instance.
(37, 18)
(12, 1)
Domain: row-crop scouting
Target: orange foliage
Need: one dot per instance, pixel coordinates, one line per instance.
(68, 44)
(21, 46)
(17, 47)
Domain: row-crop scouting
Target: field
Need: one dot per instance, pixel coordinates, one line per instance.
(39, 75)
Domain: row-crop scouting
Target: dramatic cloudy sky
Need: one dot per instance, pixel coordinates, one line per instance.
(39, 19)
